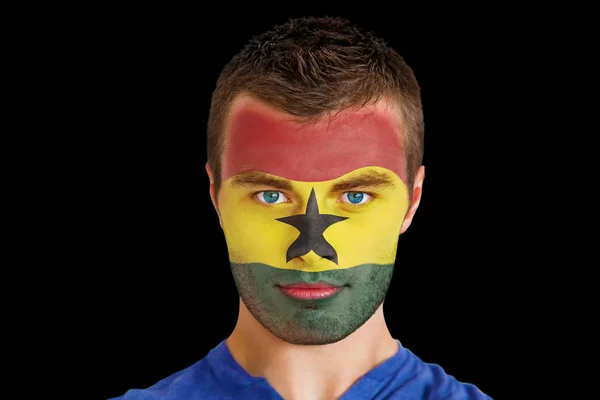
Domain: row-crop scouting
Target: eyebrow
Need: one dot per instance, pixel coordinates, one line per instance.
(369, 179)
(255, 179)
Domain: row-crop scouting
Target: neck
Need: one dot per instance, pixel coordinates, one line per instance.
(316, 372)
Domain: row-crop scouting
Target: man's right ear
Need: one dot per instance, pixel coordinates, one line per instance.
(213, 196)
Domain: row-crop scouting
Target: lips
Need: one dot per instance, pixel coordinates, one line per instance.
(310, 291)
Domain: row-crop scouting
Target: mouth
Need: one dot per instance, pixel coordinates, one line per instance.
(310, 291)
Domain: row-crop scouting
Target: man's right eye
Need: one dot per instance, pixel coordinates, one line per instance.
(271, 197)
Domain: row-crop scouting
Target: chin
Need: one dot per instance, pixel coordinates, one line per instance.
(312, 329)
(304, 339)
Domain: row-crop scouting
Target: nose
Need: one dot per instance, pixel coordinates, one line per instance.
(312, 257)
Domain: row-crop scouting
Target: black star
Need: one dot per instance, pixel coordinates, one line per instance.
(311, 226)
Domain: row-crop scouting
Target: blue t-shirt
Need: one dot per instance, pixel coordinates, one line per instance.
(219, 376)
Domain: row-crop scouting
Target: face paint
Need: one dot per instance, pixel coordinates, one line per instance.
(260, 141)
(322, 203)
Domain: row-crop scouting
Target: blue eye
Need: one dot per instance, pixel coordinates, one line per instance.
(356, 197)
(271, 197)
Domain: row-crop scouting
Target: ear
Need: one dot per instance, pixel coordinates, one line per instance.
(213, 196)
(416, 198)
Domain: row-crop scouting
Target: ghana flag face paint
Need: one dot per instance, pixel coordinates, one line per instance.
(311, 216)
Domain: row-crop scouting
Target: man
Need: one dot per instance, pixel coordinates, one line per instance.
(315, 144)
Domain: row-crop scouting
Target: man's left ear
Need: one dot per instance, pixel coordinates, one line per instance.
(416, 198)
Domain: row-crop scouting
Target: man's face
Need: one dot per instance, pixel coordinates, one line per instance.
(311, 215)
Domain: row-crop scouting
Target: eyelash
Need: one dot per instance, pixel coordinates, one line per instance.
(369, 194)
(255, 195)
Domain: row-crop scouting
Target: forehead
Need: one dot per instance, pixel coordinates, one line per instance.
(260, 138)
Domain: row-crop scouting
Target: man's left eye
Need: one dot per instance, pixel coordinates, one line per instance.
(355, 197)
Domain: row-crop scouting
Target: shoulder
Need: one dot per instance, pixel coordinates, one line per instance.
(437, 384)
(410, 377)
(191, 383)
(216, 376)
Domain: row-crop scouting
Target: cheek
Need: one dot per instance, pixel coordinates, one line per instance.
(368, 237)
(252, 232)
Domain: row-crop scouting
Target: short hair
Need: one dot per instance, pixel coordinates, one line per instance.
(311, 67)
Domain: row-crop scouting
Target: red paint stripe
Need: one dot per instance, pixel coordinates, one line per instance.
(265, 142)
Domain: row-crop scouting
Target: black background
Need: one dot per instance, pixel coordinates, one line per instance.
(153, 281)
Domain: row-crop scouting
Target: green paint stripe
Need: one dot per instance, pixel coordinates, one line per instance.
(266, 274)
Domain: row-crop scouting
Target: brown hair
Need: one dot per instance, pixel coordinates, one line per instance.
(311, 67)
